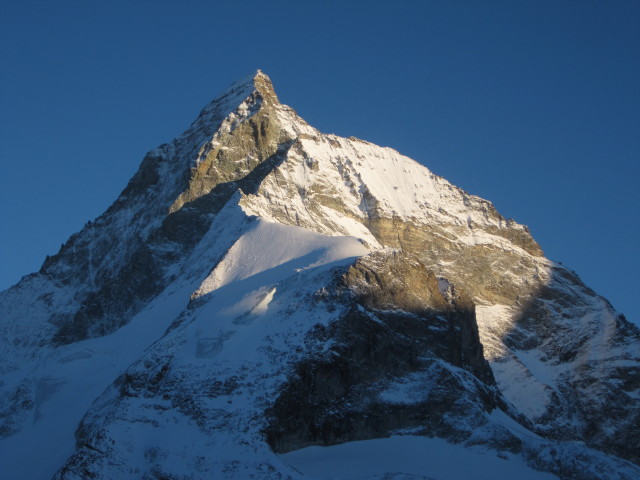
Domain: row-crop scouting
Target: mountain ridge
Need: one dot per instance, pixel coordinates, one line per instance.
(193, 223)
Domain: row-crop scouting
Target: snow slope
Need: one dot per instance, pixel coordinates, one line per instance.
(409, 458)
(70, 377)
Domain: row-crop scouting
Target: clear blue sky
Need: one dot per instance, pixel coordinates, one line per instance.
(534, 105)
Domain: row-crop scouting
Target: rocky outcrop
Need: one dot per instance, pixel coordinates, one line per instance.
(401, 325)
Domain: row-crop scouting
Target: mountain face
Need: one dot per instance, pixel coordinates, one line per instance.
(260, 289)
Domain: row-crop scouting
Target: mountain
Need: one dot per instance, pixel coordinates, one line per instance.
(260, 290)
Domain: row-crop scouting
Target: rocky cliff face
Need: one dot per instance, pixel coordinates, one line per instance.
(399, 324)
(260, 287)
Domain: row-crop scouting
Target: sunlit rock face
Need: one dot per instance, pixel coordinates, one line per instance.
(260, 287)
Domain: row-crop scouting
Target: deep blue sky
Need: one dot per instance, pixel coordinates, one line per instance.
(533, 105)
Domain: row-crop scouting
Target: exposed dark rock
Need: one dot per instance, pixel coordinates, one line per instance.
(398, 324)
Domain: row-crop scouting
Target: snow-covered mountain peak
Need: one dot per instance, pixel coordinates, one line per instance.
(257, 82)
(260, 287)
